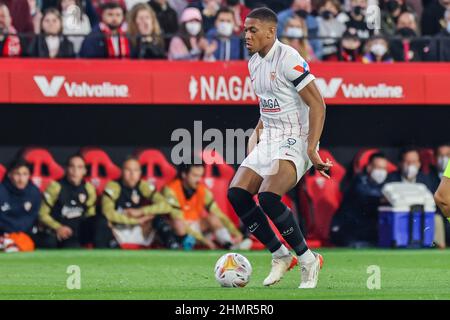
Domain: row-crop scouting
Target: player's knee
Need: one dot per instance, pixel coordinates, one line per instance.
(241, 200)
(271, 203)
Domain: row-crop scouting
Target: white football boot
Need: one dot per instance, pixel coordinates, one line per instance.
(310, 272)
(279, 267)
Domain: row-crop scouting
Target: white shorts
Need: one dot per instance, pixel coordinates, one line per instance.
(263, 156)
(133, 235)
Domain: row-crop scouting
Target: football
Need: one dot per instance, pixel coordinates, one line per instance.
(233, 270)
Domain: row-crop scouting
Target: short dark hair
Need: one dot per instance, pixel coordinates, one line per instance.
(225, 10)
(406, 150)
(17, 163)
(186, 167)
(377, 155)
(131, 158)
(110, 6)
(73, 156)
(264, 14)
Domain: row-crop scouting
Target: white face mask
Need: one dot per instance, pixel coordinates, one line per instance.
(225, 29)
(193, 27)
(378, 49)
(411, 171)
(293, 32)
(442, 163)
(378, 175)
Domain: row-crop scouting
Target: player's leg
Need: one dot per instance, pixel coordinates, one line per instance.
(272, 189)
(183, 238)
(165, 232)
(214, 225)
(243, 187)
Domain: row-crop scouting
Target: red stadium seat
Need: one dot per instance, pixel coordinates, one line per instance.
(320, 198)
(151, 160)
(44, 167)
(101, 168)
(218, 175)
(2, 172)
(427, 159)
(362, 159)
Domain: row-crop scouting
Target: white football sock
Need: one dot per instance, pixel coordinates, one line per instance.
(223, 236)
(307, 257)
(281, 252)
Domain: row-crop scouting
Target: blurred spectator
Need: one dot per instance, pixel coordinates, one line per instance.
(329, 27)
(98, 5)
(240, 13)
(67, 205)
(131, 3)
(190, 43)
(390, 14)
(303, 9)
(440, 44)
(51, 43)
(409, 169)
(296, 35)
(108, 39)
(229, 46)
(406, 46)
(76, 23)
(433, 17)
(356, 19)
(36, 15)
(86, 6)
(199, 213)
(350, 48)
(21, 16)
(9, 42)
(19, 199)
(377, 51)
(167, 17)
(145, 33)
(442, 154)
(136, 210)
(356, 222)
(208, 9)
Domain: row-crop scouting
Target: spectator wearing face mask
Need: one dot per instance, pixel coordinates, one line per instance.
(296, 35)
(229, 46)
(145, 33)
(329, 27)
(303, 9)
(10, 45)
(76, 24)
(378, 51)
(356, 222)
(406, 46)
(36, 15)
(51, 43)
(349, 49)
(409, 171)
(440, 44)
(190, 43)
(108, 40)
(356, 19)
(433, 16)
(389, 15)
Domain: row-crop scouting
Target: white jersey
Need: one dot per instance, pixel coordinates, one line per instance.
(277, 78)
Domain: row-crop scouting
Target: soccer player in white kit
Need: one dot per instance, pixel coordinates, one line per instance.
(282, 148)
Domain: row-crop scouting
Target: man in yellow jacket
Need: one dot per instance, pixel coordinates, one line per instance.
(442, 195)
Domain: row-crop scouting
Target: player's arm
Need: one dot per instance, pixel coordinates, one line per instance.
(159, 204)
(212, 207)
(109, 198)
(254, 138)
(91, 200)
(442, 195)
(51, 195)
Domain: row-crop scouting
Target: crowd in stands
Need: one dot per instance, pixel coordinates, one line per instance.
(130, 211)
(212, 30)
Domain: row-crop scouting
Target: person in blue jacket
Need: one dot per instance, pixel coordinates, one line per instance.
(20, 200)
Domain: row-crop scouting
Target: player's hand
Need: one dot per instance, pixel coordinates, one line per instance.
(238, 238)
(318, 164)
(63, 233)
(133, 213)
(145, 219)
(210, 244)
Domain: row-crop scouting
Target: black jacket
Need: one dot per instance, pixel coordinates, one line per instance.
(147, 50)
(38, 48)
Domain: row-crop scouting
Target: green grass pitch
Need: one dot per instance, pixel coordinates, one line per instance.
(156, 274)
